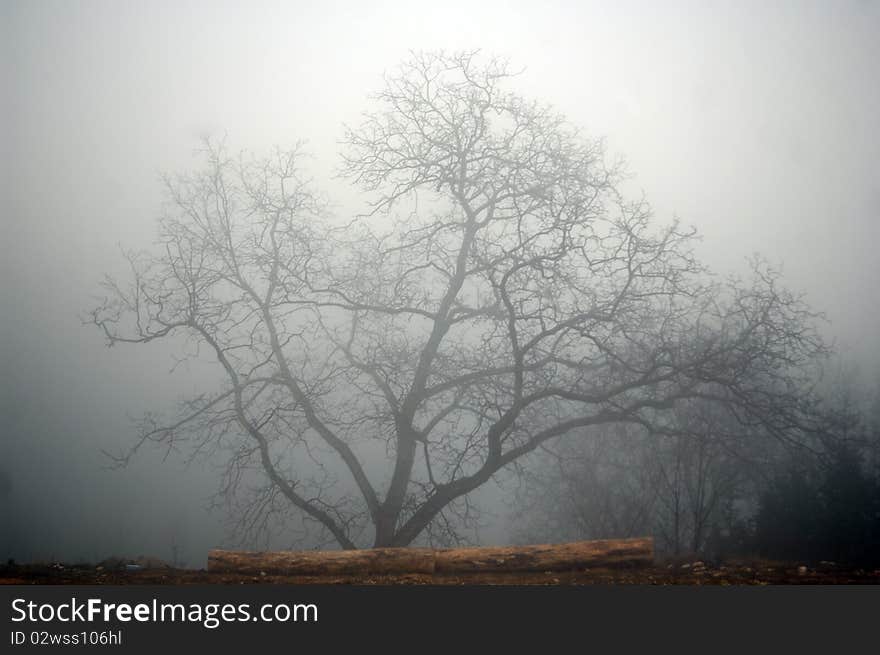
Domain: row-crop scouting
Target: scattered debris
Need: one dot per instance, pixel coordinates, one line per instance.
(660, 573)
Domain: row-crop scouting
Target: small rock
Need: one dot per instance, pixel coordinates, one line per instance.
(802, 570)
(262, 574)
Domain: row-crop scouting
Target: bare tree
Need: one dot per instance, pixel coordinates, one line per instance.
(596, 484)
(699, 475)
(682, 485)
(500, 293)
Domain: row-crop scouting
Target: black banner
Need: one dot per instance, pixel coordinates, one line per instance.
(410, 619)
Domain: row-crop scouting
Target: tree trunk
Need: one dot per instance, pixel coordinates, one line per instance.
(324, 562)
(502, 559)
(546, 557)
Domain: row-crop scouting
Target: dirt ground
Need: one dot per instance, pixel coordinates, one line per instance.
(687, 573)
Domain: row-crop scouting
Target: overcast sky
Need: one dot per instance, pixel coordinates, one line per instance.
(757, 123)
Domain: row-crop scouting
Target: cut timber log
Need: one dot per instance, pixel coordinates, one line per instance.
(391, 561)
(546, 557)
(373, 561)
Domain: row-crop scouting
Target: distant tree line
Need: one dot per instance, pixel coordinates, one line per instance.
(711, 487)
(826, 506)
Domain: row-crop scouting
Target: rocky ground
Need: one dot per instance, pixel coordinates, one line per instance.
(153, 572)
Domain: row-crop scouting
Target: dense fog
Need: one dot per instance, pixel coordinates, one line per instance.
(755, 124)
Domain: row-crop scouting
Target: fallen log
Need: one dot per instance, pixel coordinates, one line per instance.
(372, 561)
(391, 561)
(546, 557)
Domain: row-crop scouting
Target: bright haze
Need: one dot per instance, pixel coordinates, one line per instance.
(756, 123)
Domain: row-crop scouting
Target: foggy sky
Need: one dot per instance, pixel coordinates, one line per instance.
(754, 122)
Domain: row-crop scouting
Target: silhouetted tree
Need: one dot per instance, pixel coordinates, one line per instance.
(501, 293)
(788, 521)
(825, 507)
(851, 521)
